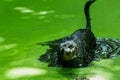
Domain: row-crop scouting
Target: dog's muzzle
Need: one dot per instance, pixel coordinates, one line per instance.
(68, 49)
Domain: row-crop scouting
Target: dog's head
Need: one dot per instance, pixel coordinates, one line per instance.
(68, 50)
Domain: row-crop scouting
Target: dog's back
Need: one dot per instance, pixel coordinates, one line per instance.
(86, 37)
(85, 44)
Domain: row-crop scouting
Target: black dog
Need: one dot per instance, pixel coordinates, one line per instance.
(75, 50)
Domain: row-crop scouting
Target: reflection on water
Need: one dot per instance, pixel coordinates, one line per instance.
(96, 71)
(2, 39)
(6, 46)
(90, 73)
(45, 15)
(44, 12)
(16, 73)
(27, 10)
(24, 10)
(75, 74)
(100, 75)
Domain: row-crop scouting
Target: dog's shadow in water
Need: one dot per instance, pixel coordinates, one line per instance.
(75, 74)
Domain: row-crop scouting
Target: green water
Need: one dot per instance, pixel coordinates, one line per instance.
(26, 22)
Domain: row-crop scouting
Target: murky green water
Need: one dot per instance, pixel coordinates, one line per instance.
(26, 22)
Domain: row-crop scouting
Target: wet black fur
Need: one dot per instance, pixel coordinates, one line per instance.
(86, 43)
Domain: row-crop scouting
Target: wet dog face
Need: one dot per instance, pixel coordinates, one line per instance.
(68, 50)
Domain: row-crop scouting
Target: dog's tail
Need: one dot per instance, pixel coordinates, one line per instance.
(86, 11)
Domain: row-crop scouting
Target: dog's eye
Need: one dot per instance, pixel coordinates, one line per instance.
(70, 46)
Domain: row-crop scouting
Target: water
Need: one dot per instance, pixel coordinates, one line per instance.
(26, 22)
